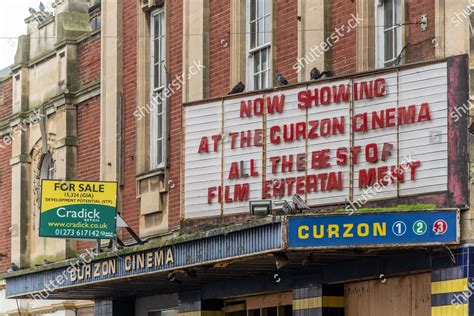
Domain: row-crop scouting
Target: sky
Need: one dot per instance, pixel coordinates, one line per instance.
(12, 24)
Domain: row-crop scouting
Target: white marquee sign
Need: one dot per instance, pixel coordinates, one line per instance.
(327, 142)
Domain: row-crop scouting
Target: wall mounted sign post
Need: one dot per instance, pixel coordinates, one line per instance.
(75, 209)
(388, 229)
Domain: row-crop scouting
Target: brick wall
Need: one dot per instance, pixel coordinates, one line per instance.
(5, 179)
(175, 63)
(89, 60)
(5, 207)
(219, 54)
(286, 39)
(130, 203)
(344, 60)
(6, 98)
(421, 47)
(88, 146)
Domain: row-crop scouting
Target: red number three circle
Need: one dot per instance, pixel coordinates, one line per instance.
(440, 227)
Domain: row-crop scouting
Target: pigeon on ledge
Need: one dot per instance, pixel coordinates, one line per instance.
(13, 267)
(281, 81)
(239, 88)
(316, 74)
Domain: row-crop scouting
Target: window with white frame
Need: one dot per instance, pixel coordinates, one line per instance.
(259, 44)
(158, 133)
(389, 32)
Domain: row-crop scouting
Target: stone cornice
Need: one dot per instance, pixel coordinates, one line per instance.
(52, 106)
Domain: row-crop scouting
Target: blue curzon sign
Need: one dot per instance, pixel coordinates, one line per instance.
(388, 229)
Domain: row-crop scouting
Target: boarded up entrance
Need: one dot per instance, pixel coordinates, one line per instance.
(407, 296)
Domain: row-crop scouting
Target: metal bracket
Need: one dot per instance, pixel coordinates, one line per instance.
(424, 23)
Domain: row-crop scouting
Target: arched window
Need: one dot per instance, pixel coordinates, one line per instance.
(47, 167)
(47, 171)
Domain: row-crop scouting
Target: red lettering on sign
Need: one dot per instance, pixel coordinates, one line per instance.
(234, 171)
(287, 163)
(204, 145)
(256, 107)
(239, 193)
(371, 153)
(380, 87)
(341, 156)
(341, 94)
(276, 104)
(216, 139)
(320, 159)
(424, 113)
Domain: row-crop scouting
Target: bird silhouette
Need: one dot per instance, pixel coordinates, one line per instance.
(315, 74)
(42, 7)
(45, 261)
(38, 16)
(13, 267)
(280, 80)
(239, 88)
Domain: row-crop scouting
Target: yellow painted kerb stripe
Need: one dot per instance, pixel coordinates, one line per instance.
(333, 301)
(212, 313)
(451, 310)
(449, 286)
(307, 303)
(202, 313)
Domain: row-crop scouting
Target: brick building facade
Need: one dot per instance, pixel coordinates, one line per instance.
(126, 100)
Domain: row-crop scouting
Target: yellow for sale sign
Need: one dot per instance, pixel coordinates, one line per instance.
(77, 209)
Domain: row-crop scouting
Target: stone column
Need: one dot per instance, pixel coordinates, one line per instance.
(65, 148)
(196, 48)
(20, 160)
(20, 164)
(237, 42)
(366, 36)
(314, 21)
(111, 87)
